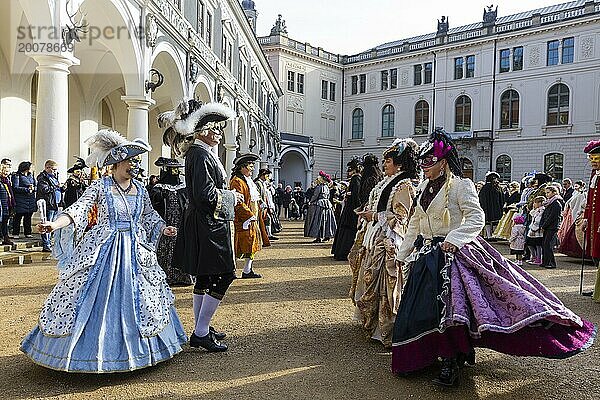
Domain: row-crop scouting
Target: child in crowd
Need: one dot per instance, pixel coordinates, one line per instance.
(535, 235)
(517, 238)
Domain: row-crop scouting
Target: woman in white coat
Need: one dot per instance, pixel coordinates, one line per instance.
(461, 293)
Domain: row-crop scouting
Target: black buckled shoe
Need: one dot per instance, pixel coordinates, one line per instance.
(448, 373)
(217, 335)
(587, 293)
(208, 343)
(250, 275)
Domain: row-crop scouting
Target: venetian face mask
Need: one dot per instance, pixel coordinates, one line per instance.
(134, 166)
(428, 161)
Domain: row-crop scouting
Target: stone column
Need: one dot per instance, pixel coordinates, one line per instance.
(308, 178)
(276, 174)
(52, 116)
(230, 154)
(137, 120)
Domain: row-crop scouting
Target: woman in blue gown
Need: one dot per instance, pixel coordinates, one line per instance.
(111, 309)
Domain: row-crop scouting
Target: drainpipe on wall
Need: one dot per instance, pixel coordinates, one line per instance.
(434, 73)
(493, 105)
(342, 91)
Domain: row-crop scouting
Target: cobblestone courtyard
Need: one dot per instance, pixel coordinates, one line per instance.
(291, 337)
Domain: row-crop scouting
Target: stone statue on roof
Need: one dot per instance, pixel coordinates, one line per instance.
(490, 14)
(279, 27)
(442, 26)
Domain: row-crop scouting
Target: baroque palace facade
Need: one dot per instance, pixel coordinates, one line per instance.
(63, 77)
(519, 92)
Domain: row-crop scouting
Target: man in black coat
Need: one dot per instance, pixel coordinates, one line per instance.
(567, 189)
(491, 200)
(550, 222)
(204, 246)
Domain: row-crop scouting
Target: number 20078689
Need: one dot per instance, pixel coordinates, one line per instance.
(44, 47)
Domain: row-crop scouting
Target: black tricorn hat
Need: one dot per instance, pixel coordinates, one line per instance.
(79, 165)
(168, 162)
(542, 178)
(245, 158)
(264, 171)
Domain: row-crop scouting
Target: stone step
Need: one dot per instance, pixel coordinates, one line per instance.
(20, 245)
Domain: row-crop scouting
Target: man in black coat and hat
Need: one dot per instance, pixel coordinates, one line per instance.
(75, 184)
(169, 199)
(491, 200)
(204, 246)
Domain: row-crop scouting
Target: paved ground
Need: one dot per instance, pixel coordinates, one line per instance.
(291, 337)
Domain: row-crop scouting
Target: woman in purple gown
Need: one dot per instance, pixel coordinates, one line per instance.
(461, 293)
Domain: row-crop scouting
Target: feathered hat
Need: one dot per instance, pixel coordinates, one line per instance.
(398, 146)
(79, 165)
(109, 147)
(440, 145)
(189, 117)
(325, 176)
(165, 162)
(592, 147)
(354, 164)
(370, 159)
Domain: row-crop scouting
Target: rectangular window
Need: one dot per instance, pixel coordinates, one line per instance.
(363, 83)
(458, 68)
(201, 9)
(209, 29)
(418, 74)
(568, 49)
(552, 54)
(291, 80)
(300, 83)
(224, 50)
(332, 91)
(324, 89)
(428, 72)
(504, 60)
(299, 123)
(230, 55)
(517, 58)
(470, 67)
(384, 80)
(393, 78)
(354, 84)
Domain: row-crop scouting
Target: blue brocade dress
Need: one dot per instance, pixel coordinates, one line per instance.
(111, 309)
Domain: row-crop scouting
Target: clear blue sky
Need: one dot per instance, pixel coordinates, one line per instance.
(352, 26)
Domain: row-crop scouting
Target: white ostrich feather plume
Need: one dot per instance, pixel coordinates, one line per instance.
(101, 144)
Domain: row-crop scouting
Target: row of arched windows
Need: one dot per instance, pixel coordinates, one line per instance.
(557, 113)
(553, 166)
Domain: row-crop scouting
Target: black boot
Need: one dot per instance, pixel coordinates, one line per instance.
(448, 373)
(468, 358)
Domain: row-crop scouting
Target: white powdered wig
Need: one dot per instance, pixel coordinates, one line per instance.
(188, 126)
(101, 144)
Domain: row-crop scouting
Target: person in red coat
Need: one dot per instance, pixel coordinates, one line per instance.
(591, 223)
